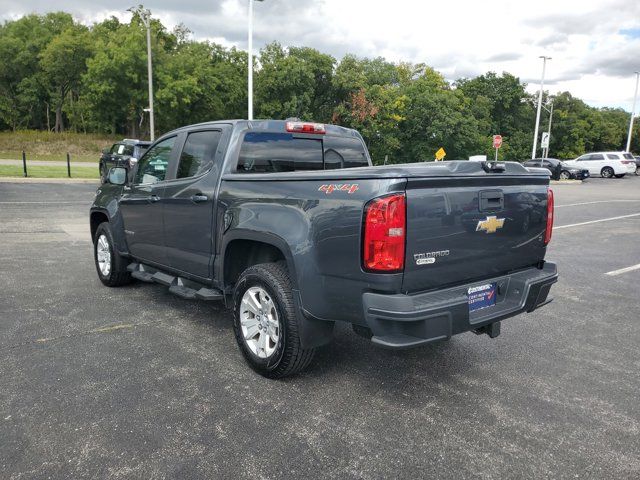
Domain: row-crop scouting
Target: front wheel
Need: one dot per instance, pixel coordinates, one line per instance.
(265, 324)
(620, 175)
(606, 172)
(564, 175)
(111, 266)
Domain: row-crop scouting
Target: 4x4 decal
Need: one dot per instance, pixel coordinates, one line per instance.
(342, 187)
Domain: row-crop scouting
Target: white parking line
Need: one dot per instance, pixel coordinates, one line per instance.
(46, 203)
(596, 201)
(596, 221)
(613, 273)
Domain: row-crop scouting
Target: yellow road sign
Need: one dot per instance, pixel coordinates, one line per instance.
(440, 154)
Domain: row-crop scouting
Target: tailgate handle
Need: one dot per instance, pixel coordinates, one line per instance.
(491, 200)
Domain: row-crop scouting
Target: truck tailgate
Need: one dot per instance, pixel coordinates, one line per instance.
(465, 229)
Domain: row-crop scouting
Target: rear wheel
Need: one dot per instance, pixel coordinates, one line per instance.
(265, 323)
(638, 171)
(606, 172)
(564, 175)
(111, 266)
(620, 175)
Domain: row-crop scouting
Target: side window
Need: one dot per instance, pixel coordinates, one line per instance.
(198, 153)
(263, 152)
(597, 156)
(121, 149)
(344, 152)
(152, 167)
(114, 148)
(127, 150)
(585, 158)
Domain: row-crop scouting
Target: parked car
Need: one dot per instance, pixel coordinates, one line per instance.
(559, 170)
(289, 224)
(625, 157)
(637, 159)
(600, 164)
(124, 153)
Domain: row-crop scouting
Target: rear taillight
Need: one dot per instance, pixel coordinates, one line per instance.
(549, 229)
(384, 234)
(304, 127)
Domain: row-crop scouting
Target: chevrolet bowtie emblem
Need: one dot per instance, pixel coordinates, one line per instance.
(490, 224)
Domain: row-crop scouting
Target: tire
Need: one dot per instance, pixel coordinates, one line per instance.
(621, 175)
(112, 271)
(638, 171)
(564, 175)
(606, 172)
(267, 288)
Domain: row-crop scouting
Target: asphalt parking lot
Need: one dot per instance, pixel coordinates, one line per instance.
(137, 383)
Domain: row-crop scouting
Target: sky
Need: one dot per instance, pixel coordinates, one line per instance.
(594, 44)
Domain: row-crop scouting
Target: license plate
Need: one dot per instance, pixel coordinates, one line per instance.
(482, 296)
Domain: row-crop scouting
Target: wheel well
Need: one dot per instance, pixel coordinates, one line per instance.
(96, 219)
(242, 254)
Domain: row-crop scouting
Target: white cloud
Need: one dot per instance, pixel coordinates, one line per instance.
(593, 43)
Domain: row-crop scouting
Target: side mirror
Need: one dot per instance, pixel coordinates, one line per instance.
(117, 176)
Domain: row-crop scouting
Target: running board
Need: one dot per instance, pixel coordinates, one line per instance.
(179, 286)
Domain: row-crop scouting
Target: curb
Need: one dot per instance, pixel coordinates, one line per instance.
(566, 182)
(48, 180)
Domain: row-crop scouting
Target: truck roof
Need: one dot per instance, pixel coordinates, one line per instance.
(270, 125)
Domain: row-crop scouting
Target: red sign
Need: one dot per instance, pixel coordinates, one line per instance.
(497, 141)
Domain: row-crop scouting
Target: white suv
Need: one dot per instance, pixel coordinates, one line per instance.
(625, 157)
(605, 164)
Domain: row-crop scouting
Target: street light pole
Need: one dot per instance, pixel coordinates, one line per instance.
(145, 16)
(150, 75)
(535, 134)
(250, 65)
(633, 113)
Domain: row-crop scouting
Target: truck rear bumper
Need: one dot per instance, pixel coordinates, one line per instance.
(402, 321)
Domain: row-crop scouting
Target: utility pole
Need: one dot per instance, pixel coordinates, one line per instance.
(145, 16)
(633, 113)
(535, 134)
(250, 63)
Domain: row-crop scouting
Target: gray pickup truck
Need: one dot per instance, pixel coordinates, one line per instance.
(289, 224)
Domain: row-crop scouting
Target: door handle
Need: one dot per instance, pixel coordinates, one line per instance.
(199, 198)
(154, 198)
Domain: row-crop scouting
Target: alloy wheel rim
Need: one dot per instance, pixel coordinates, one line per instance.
(607, 173)
(259, 322)
(103, 253)
(564, 175)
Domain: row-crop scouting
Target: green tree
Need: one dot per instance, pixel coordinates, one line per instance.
(23, 99)
(294, 82)
(63, 62)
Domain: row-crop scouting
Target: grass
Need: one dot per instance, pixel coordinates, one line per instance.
(47, 172)
(38, 145)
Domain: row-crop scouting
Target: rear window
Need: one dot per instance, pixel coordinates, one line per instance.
(279, 152)
(264, 152)
(344, 152)
(628, 156)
